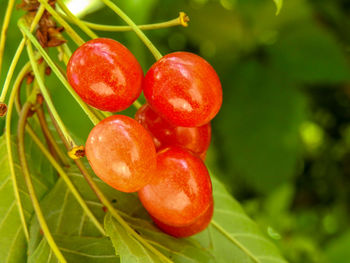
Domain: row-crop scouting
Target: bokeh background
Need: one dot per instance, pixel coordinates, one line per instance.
(281, 143)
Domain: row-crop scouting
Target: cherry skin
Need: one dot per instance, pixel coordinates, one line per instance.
(121, 152)
(184, 89)
(197, 226)
(105, 74)
(181, 190)
(196, 139)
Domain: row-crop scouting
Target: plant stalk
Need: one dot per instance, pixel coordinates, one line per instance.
(68, 181)
(48, 135)
(16, 87)
(181, 20)
(138, 31)
(46, 95)
(4, 29)
(25, 171)
(76, 20)
(18, 54)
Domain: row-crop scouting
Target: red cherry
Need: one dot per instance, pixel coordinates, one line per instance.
(121, 152)
(184, 89)
(105, 74)
(196, 139)
(197, 226)
(181, 191)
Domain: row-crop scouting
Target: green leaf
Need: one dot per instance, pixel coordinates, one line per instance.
(126, 246)
(12, 240)
(131, 250)
(279, 4)
(233, 236)
(76, 249)
(73, 231)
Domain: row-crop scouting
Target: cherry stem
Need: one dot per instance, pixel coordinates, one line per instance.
(18, 54)
(58, 73)
(68, 182)
(26, 174)
(61, 172)
(76, 20)
(46, 95)
(4, 28)
(48, 135)
(137, 104)
(64, 53)
(70, 31)
(181, 20)
(137, 30)
(16, 86)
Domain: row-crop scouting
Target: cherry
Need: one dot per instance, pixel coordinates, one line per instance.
(196, 139)
(105, 74)
(181, 190)
(184, 89)
(185, 231)
(121, 152)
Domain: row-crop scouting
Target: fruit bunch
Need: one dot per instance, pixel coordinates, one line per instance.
(160, 153)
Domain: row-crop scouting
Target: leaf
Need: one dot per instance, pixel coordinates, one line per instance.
(131, 250)
(233, 236)
(73, 231)
(87, 250)
(126, 246)
(259, 145)
(279, 4)
(12, 240)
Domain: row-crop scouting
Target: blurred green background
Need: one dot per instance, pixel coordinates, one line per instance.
(281, 142)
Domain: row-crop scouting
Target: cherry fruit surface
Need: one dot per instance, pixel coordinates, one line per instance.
(121, 152)
(197, 226)
(181, 190)
(184, 89)
(105, 74)
(196, 139)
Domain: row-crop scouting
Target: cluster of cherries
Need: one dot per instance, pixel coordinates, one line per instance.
(160, 153)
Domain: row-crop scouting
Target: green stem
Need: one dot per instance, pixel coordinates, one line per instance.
(68, 181)
(98, 113)
(131, 23)
(76, 20)
(13, 94)
(4, 28)
(46, 95)
(64, 53)
(137, 104)
(62, 173)
(70, 31)
(18, 54)
(25, 170)
(58, 73)
(48, 135)
(181, 20)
